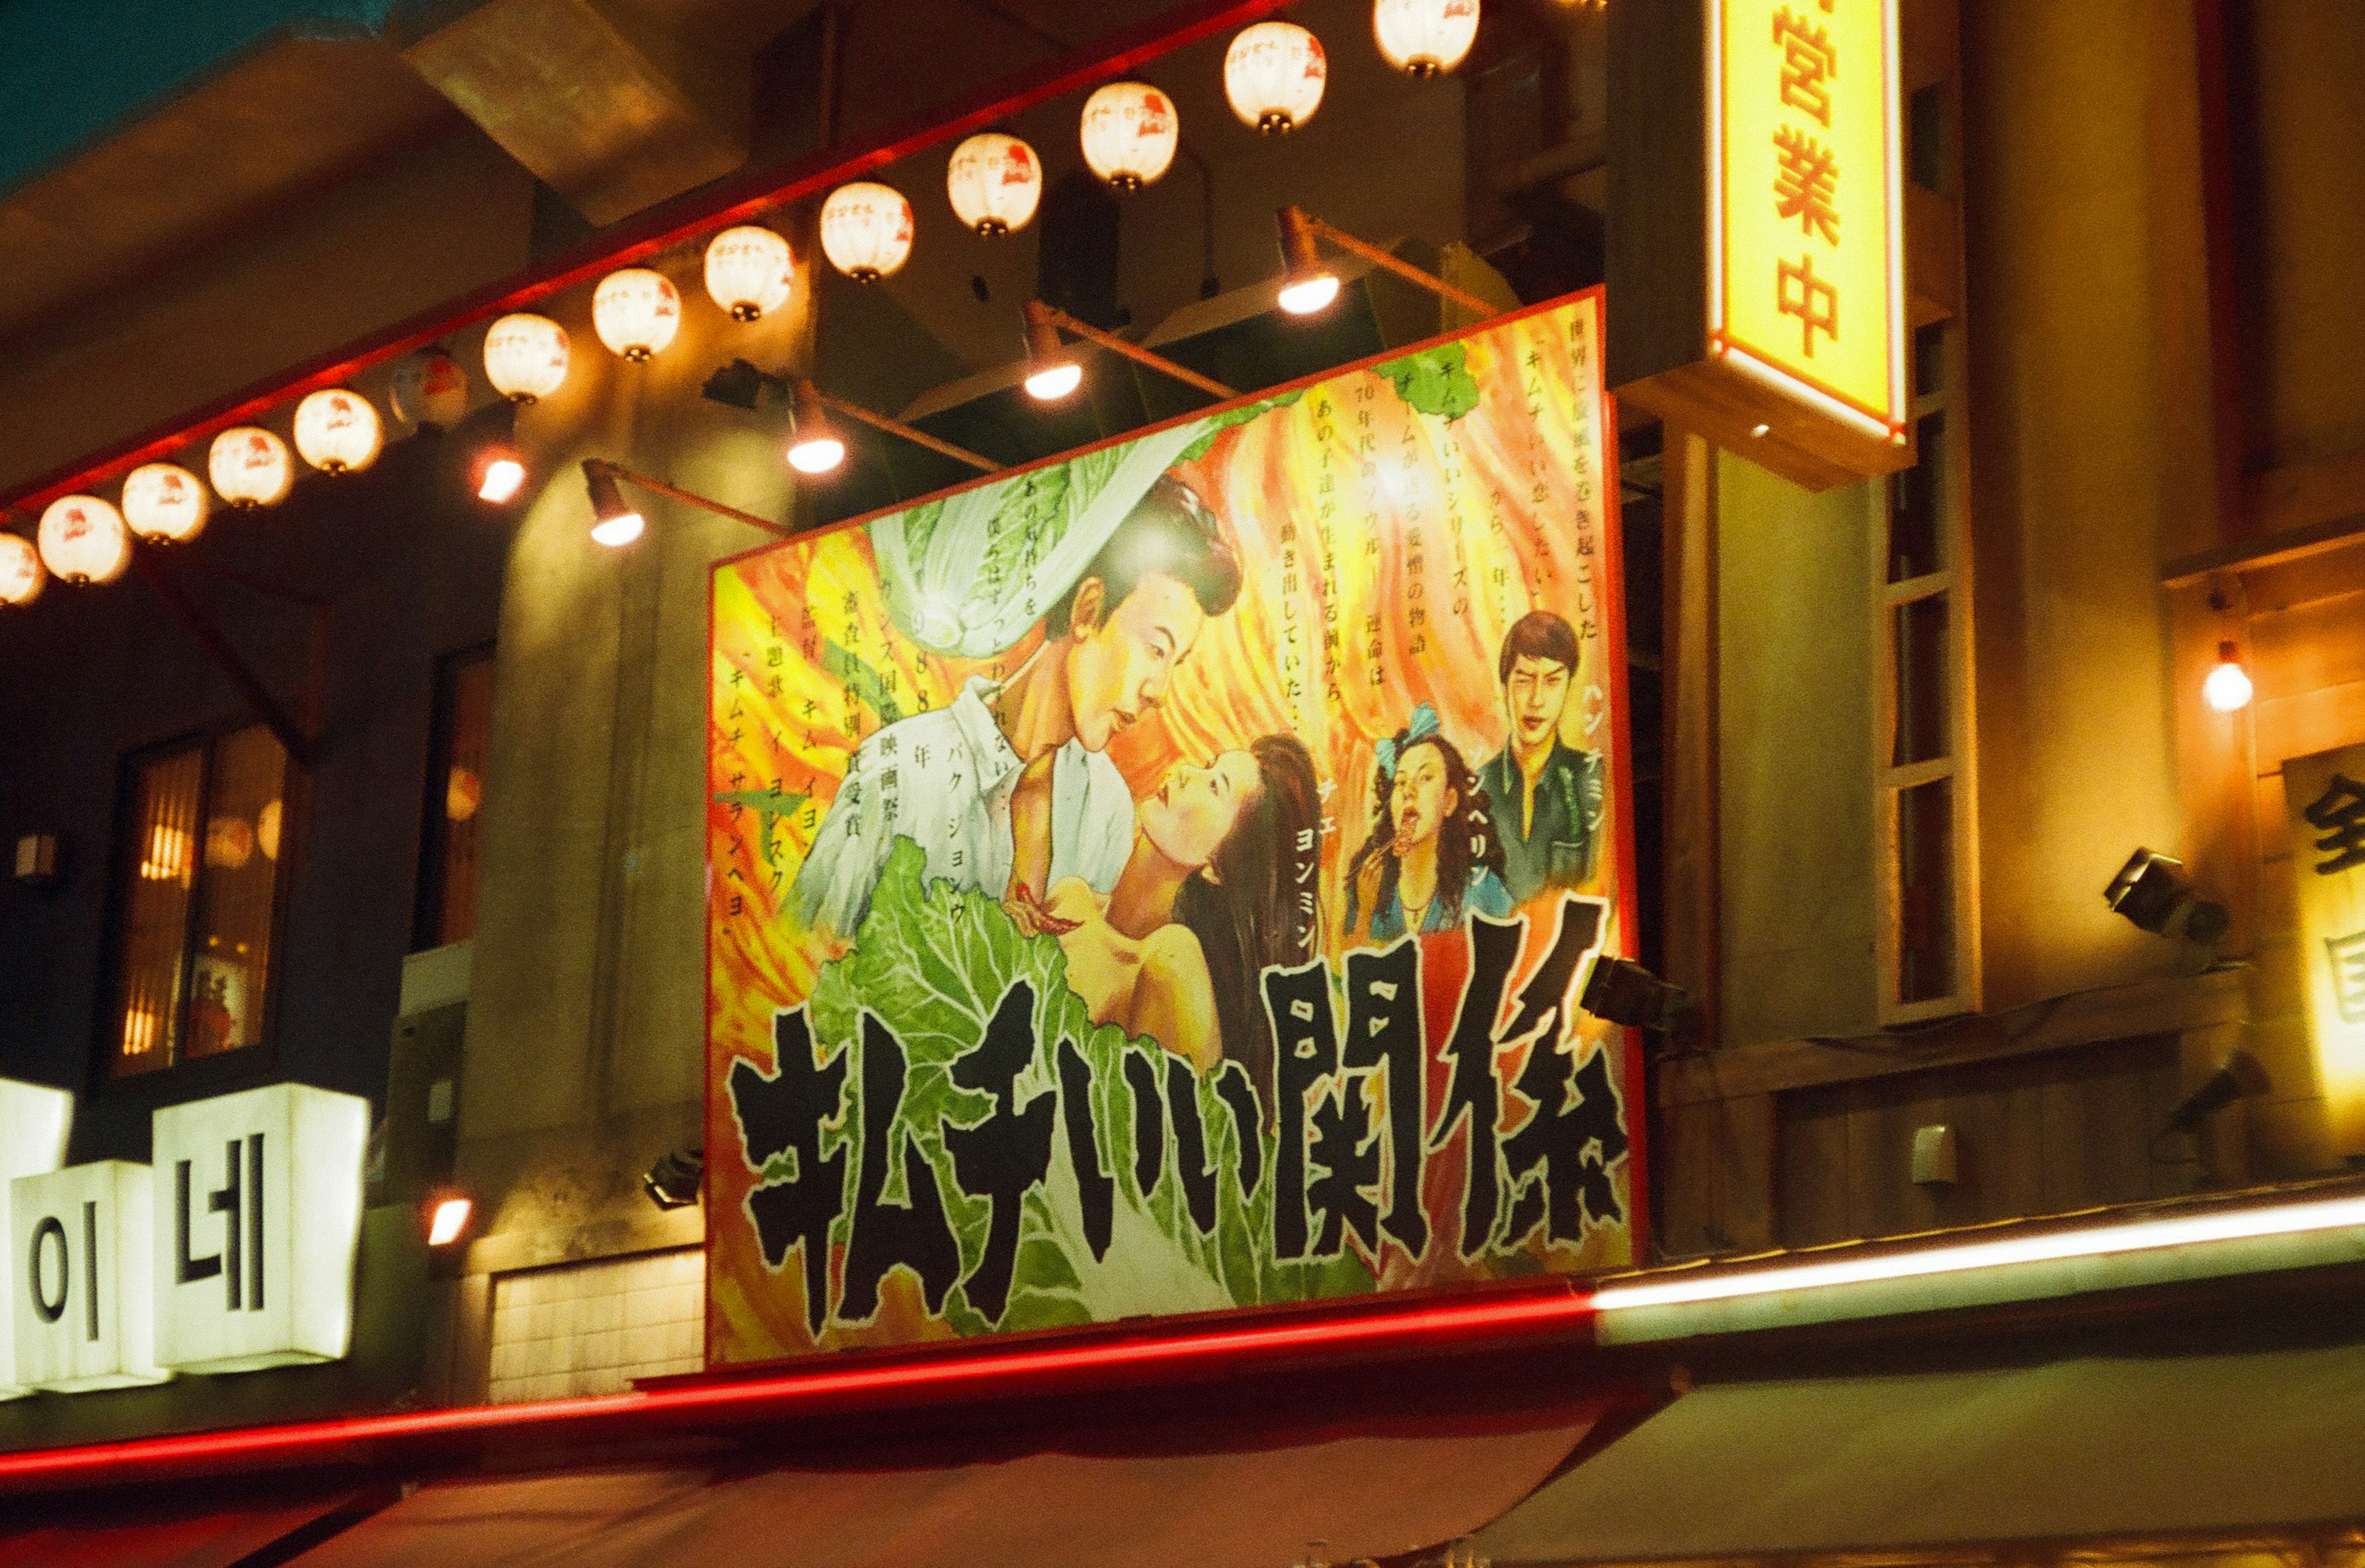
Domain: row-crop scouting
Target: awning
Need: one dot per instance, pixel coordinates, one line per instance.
(76, 1534)
(2195, 1448)
(1363, 1495)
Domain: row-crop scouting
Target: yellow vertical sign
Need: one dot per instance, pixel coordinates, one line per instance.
(2326, 800)
(1806, 252)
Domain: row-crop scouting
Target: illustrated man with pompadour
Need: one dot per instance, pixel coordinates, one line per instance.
(1545, 796)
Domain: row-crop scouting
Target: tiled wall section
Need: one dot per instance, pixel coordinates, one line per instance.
(593, 1328)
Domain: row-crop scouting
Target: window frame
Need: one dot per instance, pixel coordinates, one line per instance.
(432, 877)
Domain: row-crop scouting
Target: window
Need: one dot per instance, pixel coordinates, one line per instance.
(197, 882)
(457, 741)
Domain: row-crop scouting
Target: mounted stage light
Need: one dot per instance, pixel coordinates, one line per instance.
(525, 357)
(2240, 1076)
(163, 503)
(1300, 230)
(83, 539)
(815, 445)
(613, 523)
(636, 313)
(749, 272)
(2153, 891)
(447, 1213)
(995, 182)
(250, 467)
(1425, 38)
(677, 1179)
(337, 432)
(430, 389)
(1274, 75)
(1051, 371)
(22, 575)
(2228, 688)
(1129, 133)
(866, 231)
(1046, 322)
(1307, 286)
(1623, 992)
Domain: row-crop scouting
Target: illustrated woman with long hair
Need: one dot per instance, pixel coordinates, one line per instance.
(1433, 857)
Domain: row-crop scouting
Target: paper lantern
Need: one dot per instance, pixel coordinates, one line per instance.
(749, 272)
(21, 574)
(1425, 36)
(83, 539)
(866, 231)
(229, 843)
(338, 432)
(267, 830)
(636, 312)
(1129, 134)
(430, 389)
(995, 182)
(1273, 75)
(163, 502)
(250, 466)
(525, 357)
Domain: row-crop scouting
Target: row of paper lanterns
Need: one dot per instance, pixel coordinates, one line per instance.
(1273, 77)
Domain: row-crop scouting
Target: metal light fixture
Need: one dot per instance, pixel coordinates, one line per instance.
(1052, 372)
(1300, 230)
(447, 1213)
(2227, 688)
(1623, 992)
(430, 389)
(1306, 284)
(525, 357)
(866, 231)
(338, 432)
(1274, 75)
(250, 467)
(995, 182)
(815, 445)
(2153, 891)
(2240, 1076)
(1425, 38)
(749, 272)
(500, 474)
(83, 539)
(677, 1179)
(22, 575)
(636, 313)
(163, 503)
(613, 523)
(1130, 132)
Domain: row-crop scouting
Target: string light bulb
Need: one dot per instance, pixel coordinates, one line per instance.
(1274, 75)
(2227, 688)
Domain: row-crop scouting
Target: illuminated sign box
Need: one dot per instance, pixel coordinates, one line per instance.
(85, 1307)
(1756, 245)
(34, 1121)
(2326, 796)
(258, 1203)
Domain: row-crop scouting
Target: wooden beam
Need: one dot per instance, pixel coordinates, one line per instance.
(1689, 684)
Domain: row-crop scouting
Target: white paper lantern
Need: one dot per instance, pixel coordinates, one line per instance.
(1129, 133)
(749, 272)
(636, 312)
(267, 830)
(1273, 75)
(83, 539)
(525, 357)
(430, 389)
(995, 182)
(21, 574)
(250, 467)
(338, 432)
(1425, 36)
(866, 231)
(163, 502)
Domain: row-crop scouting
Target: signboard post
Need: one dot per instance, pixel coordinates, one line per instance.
(1159, 881)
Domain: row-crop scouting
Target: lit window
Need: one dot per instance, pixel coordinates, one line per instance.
(456, 798)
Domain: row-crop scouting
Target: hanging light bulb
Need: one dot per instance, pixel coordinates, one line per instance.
(525, 357)
(1129, 134)
(815, 445)
(636, 312)
(866, 231)
(1307, 285)
(994, 181)
(749, 272)
(83, 539)
(1425, 36)
(2227, 688)
(338, 432)
(250, 467)
(1273, 75)
(163, 502)
(22, 573)
(1051, 371)
(430, 389)
(613, 523)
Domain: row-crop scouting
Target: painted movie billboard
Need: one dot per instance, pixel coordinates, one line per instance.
(1158, 880)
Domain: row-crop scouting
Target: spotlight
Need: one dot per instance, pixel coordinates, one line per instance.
(2227, 689)
(2239, 1077)
(2153, 891)
(738, 384)
(1308, 286)
(448, 1213)
(1051, 372)
(613, 522)
(500, 475)
(677, 1179)
(813, 447)
(1623, 992)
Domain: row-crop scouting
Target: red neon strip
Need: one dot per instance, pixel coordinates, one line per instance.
(774, 1396)
(684, 219)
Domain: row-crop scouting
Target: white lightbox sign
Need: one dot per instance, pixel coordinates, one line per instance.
(34, 1121)
(85, 1307)
(258, 1209)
